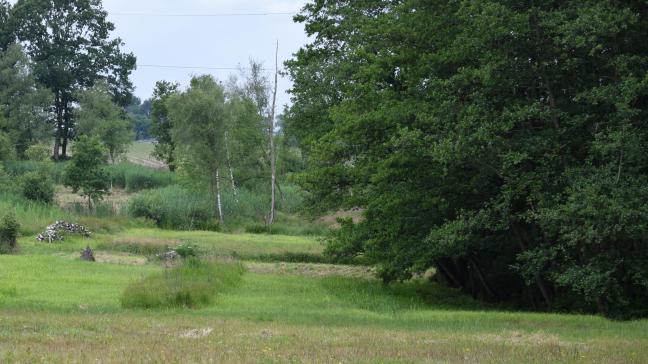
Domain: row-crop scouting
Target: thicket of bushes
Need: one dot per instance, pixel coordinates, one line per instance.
(127, 176)
(174, 208)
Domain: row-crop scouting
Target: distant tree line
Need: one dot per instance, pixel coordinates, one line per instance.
(502, 143)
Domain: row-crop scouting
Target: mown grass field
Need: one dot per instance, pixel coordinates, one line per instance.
(56, 308)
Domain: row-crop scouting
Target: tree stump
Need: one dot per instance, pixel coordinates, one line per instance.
(87, 255)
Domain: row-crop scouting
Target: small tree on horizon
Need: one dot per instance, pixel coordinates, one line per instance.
(85, 173)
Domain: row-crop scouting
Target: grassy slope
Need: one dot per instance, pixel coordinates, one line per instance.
(55, 308)
(141, 149)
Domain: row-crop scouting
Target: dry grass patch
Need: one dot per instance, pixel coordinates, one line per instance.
(311, 270)
(146, 246)
(188, 338)
(66, 199)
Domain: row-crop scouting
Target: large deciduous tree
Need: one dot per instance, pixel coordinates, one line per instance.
(503, 143)
(70, 44)
(24, 105)
(5, 33)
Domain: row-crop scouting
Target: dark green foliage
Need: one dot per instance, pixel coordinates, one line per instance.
(37, 186)
(193, 284)
(6, 36)
(161, 125)
(70, 44)
(503, 143)
(140, 112)
(173, 208)
(23, 103)
(85, 173)
(9, 228)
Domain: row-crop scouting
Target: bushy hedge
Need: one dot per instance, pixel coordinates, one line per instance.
(37, 186)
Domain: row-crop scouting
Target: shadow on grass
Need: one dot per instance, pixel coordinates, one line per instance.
(375, 296)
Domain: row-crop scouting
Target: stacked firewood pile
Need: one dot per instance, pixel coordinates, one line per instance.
(54, 232)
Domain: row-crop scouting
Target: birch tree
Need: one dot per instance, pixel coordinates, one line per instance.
(199, 117)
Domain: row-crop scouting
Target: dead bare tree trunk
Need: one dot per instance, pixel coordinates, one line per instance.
(271, 122)
(229, 166)
(59, 126)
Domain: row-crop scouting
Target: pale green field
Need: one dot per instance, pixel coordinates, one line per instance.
(55, 308)
(141, 149)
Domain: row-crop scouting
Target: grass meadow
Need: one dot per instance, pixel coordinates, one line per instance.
(256, 298)
(56, 308)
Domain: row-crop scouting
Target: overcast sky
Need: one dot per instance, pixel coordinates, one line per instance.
(227, 41)
(216, 42)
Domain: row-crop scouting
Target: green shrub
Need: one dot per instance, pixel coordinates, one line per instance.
(192, 284)
(186, 250)
(37, 186)
(9, 228)
(173, 208)
(38, 152)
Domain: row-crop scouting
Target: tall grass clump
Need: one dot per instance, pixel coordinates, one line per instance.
(174, 208)
(192, 284)
(134, 178)
(18, 168)
(33, 216)
(9, 227)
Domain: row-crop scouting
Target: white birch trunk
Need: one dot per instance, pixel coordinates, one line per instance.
(229, 166)
(218, 198)
(273, 162)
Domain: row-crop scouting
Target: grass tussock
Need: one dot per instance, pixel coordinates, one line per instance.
(192, 284)
(133, 178)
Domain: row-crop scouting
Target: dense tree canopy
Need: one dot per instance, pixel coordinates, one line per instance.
(502, 143)
(140, 112)
(161, 125)
(24, 105)
(71, 47)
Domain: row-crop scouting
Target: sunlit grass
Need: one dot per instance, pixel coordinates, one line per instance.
(56, 308)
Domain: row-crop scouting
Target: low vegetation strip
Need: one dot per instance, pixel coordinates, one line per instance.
(192, 284)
